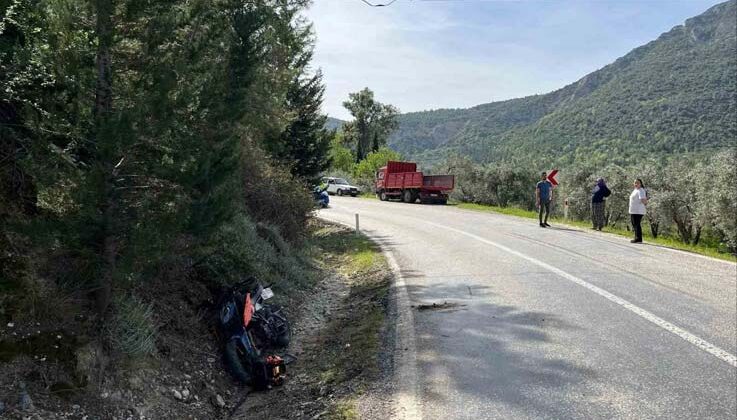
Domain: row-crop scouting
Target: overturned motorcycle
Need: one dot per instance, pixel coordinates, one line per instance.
(250, 330)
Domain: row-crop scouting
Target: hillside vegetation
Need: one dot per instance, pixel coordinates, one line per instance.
(151, 153)
(672, 96)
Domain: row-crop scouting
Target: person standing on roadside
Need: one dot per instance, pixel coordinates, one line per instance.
(638, 201)
(543, 197)
(598, 194)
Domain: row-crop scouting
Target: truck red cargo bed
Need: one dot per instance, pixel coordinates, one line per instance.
(438, 182)
(393, 167)
(403, 180)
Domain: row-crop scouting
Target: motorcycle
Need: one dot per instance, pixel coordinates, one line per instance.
(249, 328)
(322, 199)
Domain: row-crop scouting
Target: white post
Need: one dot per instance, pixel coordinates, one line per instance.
(357, 229)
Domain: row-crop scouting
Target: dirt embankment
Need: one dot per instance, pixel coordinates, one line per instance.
(53, 371)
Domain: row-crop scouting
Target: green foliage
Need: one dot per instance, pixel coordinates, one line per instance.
(716, 197)
(495, 184)
(272, 195)
(237, 250)
(689, 200)
(132, 327)
(373, 122)
(341, 157)
(137, 128)
(304, 145)
(365, 170)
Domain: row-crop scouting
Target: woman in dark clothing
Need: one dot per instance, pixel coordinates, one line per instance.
(598, 194)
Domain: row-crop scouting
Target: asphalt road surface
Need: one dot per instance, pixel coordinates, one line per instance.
(556, 323)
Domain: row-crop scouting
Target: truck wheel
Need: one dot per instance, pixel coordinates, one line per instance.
(340, 192)
(408, 197)
(382, 196)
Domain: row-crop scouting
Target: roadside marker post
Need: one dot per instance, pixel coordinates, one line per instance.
(357, 229)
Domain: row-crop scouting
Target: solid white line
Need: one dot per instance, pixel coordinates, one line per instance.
(698, 342)
(405, 352)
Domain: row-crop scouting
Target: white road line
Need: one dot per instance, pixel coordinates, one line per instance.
(405, 351)
(698, 342)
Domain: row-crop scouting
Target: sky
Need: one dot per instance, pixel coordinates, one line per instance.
(429, 54)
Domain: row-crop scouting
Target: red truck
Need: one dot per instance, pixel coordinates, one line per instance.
(402, 180)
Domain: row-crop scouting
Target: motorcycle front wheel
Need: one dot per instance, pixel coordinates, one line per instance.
(235, 363)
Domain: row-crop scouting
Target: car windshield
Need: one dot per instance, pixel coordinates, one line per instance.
(341, 181)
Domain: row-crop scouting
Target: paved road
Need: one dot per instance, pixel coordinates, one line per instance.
(557, 323)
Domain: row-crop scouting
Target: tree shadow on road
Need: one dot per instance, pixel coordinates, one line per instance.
(500, 355)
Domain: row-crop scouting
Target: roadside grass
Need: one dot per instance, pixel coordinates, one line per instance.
(664, 241)
(352, 342)
(344, 411)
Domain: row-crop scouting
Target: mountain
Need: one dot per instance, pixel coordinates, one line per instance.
(673, 95)
(333, 123)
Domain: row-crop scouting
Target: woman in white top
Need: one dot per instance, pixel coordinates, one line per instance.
(638, 201)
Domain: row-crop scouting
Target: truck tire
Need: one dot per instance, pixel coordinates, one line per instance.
(382, 196)
(340, 192)
(408, 196)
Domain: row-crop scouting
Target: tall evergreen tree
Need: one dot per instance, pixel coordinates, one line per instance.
(306, 143)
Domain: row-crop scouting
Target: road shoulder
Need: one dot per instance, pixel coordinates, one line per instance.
(340, 337)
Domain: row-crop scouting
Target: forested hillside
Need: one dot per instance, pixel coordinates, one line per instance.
(673, 95)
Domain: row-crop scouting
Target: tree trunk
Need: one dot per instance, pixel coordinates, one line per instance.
(375, 143)
(697, 236)
(684, 231)
(104, 83)
(101, 112)
(654, 228)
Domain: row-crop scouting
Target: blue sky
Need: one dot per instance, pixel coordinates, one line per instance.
(429, 54)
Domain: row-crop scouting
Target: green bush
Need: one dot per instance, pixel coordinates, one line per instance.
(238, 250)
(273, 196)
(365, 170)
(132, 328)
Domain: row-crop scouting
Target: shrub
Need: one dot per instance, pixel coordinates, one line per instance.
(238, 250)
(132, 327)
(273, 196)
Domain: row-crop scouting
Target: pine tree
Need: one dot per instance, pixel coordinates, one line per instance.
(306, 143)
